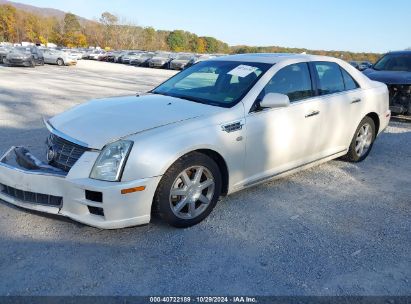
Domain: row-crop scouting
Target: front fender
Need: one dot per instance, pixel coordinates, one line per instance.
(155, 151)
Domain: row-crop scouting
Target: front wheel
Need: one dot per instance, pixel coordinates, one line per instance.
(188, 191)
(60, 62)
(362, 141)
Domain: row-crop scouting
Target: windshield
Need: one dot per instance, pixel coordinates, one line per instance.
(217, 83)
(394, 62)
(22, 49)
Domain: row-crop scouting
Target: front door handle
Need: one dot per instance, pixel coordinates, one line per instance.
(313, 113)
(356, 100)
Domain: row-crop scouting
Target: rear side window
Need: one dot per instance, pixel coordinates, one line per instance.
(293, 80)
(330, 78)
(350, 83)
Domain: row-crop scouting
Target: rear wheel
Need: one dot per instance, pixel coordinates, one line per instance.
(362, 141)
(188, 191)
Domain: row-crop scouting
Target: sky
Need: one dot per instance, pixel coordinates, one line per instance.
(349, 25)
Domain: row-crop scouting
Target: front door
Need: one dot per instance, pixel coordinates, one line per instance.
(280, 139)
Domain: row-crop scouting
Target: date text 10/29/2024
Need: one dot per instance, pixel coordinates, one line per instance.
(203, 299)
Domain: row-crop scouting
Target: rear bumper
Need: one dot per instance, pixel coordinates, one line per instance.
(384, 121)
(115, 210)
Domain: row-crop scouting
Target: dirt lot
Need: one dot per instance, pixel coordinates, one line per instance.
(337, 229)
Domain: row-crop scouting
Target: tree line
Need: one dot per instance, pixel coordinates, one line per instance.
(109, 32)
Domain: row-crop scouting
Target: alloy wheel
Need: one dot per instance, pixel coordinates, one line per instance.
(191, 192)
(363, 140)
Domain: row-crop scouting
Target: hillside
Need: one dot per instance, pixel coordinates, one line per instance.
(41, 11)
(21, 22)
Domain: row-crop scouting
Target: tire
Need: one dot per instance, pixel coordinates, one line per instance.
(42, 62)
(355, 152)
(60, 62)
(192, 202)
(32, 63)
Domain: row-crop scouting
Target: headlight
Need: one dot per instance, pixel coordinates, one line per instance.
(110, 163)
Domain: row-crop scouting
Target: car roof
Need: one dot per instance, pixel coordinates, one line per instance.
(407, 52)
(273, 57)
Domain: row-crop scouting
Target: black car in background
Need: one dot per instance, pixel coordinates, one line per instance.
(24, 56)
(394, 69)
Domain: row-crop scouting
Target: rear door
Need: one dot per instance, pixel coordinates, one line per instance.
(340, 95)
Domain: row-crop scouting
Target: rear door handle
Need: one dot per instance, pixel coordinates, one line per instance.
(356, 100)
(313, 113)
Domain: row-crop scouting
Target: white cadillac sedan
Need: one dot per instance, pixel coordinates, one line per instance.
(215, 128)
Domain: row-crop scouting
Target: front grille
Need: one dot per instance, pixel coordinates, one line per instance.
(65, 154)
(31, 197)
(13, 60)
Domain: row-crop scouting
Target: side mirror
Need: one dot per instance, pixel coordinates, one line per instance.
(275, 100)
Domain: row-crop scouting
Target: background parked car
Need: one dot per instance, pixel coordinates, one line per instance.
(355, 64)
(394, 69)
(97, 55)
(58, 57)
(75, 53)
(24, 56)
(142, 59)
(180, 62)
(363, 65)
(4, 50)
(111, 56)
(126, 58)
(160, 60)
(198, 58)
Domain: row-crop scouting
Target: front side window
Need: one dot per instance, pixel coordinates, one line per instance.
(218, 83)
(293, 80)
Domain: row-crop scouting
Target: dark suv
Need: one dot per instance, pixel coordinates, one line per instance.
(394, 69)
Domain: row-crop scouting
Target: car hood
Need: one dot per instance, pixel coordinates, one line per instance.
(102, 121)
(180, 61)
(389, 77)
(18, 54)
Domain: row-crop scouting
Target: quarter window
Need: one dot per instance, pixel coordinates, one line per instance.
(330, 78)
(293, 80)
(350, 83)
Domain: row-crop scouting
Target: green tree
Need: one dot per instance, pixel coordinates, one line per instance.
(109, 23)
(72, 31)
(8, 23)
(149, 35)
(177, 41)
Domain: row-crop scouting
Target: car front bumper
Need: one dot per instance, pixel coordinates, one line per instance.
(156, 64)
(42, 191)
(17, 62)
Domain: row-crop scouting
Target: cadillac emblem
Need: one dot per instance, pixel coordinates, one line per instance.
(51, 154)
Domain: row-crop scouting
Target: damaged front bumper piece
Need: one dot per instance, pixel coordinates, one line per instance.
(27, 182)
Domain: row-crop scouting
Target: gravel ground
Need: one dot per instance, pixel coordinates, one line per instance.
(336, 229)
